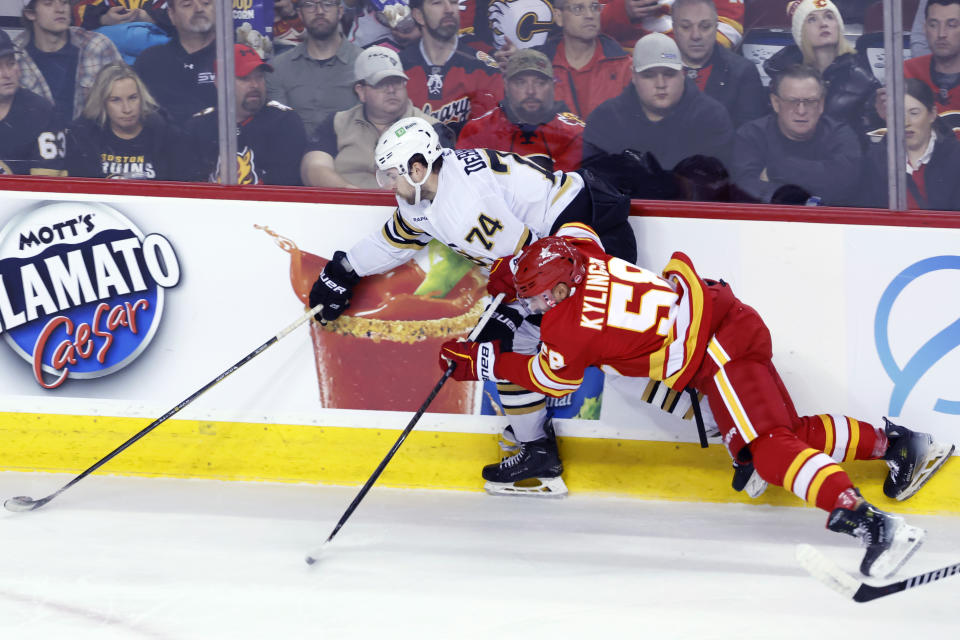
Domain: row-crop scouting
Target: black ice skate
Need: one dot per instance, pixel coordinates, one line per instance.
(913, 457)
(889, 540)
(534, 470)
(745, 477)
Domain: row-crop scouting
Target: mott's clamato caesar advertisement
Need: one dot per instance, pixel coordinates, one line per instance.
(81, 289)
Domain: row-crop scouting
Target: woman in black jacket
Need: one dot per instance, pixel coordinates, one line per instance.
(932, 162)
(121, 133)
(820, 43)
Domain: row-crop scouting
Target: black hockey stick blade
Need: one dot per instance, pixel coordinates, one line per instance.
(827, 572)
(26, 503)
(315, 555)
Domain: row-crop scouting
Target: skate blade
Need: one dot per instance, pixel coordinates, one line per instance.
(932, 462)
(906, 541)
(545, 488)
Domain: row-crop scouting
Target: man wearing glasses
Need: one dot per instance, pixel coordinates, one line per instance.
(590, 67)
(179, 74)
(316, 76)
(798, 145)
(341, 151)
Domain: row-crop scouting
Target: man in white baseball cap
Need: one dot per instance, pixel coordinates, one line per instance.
(661, 112)
(340, 152)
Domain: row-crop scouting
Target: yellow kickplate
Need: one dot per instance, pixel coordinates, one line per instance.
(428, 459)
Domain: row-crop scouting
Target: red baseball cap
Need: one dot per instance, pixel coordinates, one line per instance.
(246, 60)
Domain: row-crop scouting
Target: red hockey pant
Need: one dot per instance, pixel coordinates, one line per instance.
(753, 409)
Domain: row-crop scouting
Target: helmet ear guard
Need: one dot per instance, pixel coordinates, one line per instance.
(545, 264)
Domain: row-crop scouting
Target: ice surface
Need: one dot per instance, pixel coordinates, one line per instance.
(131, 558)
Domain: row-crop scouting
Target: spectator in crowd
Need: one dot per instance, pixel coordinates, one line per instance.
(798, 144)
(449, 79)
(341, 152)
(529, 121)
(940, 70)
(316, 77)
(933, 156)
(629, 20)
(727, 77)
(179, 74)
(93, 14)
(589, 66)
(661, 112)
(271, 139)
(59, 62)
(31, 140)
(818, 32)
(288, 28)
(121, 133)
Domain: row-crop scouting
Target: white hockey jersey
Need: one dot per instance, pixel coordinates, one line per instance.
(489, 204)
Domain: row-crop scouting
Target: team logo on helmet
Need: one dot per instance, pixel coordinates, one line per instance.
(81, 289)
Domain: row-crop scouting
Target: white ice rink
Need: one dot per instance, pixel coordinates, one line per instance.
(131, 559)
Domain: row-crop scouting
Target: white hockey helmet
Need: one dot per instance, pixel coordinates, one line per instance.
(405, 139)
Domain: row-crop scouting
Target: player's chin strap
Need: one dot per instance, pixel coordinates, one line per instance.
(417, 185)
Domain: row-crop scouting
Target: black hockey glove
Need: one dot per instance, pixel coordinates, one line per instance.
(333, 288)
(503, 324)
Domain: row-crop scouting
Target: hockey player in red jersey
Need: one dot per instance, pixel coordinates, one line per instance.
(683, 330)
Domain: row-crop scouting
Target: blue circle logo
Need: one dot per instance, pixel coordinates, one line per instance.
(905, 378)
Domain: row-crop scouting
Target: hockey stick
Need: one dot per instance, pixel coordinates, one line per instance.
(314, 555)
(824, 570)
(26, 503)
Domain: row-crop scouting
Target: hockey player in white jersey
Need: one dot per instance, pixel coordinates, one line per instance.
(486, 205)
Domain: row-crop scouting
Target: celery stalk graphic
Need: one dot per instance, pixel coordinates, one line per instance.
(447, 267)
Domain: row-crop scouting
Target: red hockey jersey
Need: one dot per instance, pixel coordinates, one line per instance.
(623, 317)
(948, 102)
(469, 82)
(560, 140)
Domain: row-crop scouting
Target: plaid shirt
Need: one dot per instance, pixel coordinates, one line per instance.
(96, 52)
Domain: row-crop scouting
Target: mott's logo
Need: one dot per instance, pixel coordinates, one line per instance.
(81, 289)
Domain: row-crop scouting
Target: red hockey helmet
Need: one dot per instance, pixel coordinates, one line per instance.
(544, 264)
